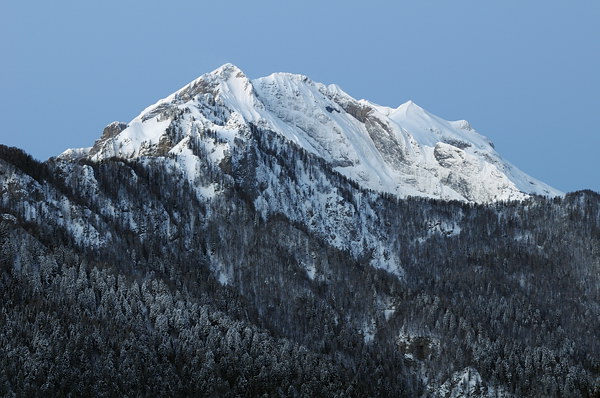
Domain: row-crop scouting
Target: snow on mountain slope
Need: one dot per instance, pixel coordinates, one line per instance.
(404, 151)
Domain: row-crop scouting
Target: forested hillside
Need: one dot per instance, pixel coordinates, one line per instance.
(123, 277)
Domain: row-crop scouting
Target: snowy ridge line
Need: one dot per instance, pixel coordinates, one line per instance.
(404, 151)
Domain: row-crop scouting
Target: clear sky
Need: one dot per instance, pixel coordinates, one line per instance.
(524, 73)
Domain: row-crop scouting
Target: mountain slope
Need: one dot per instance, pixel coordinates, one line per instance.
(116, 256)
(228, 242)
(404, 151)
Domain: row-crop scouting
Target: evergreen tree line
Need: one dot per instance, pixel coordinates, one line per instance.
(118, 278)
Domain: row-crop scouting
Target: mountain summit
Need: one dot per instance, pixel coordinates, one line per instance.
(248, 238)
(405, 151)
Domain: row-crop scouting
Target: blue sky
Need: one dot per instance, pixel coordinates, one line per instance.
(524, 73)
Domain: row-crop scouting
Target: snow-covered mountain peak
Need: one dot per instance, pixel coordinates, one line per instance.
(409, 104)
(227, 70)
(227, 80)
(430, 129)
(223, 73)
(408, 108)
(406, 151)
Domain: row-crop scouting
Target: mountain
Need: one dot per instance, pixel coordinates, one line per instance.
(405, 151)
(224, 243)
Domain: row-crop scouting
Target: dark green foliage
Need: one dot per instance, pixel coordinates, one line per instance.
(131, 303)
(67, 328)
(24, 162)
